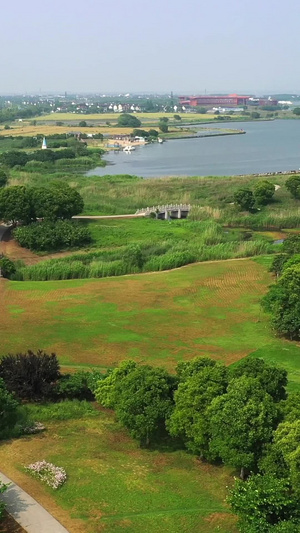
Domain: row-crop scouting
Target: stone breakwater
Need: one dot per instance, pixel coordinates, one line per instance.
(268, 174)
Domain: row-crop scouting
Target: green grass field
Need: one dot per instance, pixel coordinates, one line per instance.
(117, 487)
(162, 318)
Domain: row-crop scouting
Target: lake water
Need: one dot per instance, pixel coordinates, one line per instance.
(266, 147)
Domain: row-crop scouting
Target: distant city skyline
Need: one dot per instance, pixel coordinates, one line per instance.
(133, 46)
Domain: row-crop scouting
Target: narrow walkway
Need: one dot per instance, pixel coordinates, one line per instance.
(27, 511)
(99, 217)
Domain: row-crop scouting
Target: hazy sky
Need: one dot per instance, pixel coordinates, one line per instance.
(149, 45)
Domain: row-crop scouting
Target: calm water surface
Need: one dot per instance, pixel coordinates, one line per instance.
(266, 147)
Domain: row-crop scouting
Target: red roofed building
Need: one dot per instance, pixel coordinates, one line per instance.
(230, 100)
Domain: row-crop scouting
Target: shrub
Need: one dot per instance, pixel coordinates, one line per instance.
(43, 236)
(75, 386)
(3, 488)
(264, 192)
(7, 267)
(3, 178)
(293, 186)
(9, 412)
(30, 376)
(244, 198)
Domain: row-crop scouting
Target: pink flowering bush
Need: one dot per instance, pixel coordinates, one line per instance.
(54, 476)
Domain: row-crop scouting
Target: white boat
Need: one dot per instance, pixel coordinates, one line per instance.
(128, 148)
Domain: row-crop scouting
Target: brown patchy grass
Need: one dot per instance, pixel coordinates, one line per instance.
(114, 486)
(162, 318)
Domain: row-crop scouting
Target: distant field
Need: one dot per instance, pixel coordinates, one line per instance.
(114, 116)
(207, 309)
(29, 130)
(117, 487)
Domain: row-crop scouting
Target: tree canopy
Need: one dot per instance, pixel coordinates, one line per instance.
(16, 205)
(283, 302)
(272, 379)
(22, 204)
(244, 198)
(241, 422)
(144, 402)
(293, 185)
(125, 119)
(263, 192)
(189, 419)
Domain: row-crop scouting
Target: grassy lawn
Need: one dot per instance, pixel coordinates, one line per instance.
(162, 318)
(117, 487)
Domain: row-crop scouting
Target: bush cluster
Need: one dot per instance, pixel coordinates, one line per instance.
(56, 235)
(37, 376)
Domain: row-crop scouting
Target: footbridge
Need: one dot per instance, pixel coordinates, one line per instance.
(166, 211)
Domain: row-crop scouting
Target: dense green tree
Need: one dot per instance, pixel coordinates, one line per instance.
(30, 376)
(57, 201)
(278, 263)
(3, 178)
(241, 422)
(263, 192)
(255, 115)
(265, 504)
(153, 133)
(287, 441)
(291, 407)
(13, 158)
(105, 391)
(164, 128)
(82, 124)
(16, 205)
(244, 198)
(283, 302)
(291, 245)
(293, 185)
(296, 111)
(8, 410)
(140, 133)
(187, 369)
(145, 402)
(7, 267)
(271, 378)
(131, 121)
(189, 419)
(177, 117)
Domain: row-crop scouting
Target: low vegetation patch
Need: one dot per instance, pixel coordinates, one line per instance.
(53, 476)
